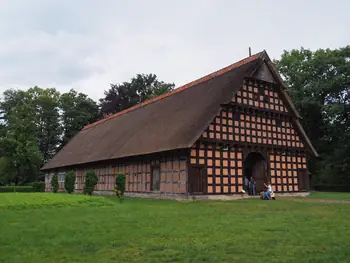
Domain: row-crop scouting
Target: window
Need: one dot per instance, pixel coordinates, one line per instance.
(61, 177)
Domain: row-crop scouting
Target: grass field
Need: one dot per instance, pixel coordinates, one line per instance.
(41, 200)
(141, 230)
(329, 196)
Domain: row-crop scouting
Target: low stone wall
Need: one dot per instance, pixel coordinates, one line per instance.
(293, 194)
(159, 196)
(180, 197)
(104, 192)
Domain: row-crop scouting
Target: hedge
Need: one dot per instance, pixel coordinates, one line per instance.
(39, 186)
(34, 187)
(331, 187)
(11, 189)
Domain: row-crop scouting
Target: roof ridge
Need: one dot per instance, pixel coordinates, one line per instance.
(179, 89)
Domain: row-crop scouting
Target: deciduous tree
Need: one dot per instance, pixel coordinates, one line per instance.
(127, 94)
(78, 110)
(319, 83)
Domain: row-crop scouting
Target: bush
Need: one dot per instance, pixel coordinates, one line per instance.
(91, 180)
(120, 184)
(20, 189)
(54, 183)
(69, 182)
(38, 186)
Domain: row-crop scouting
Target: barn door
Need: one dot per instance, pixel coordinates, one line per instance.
(259, 173)
(303, 180)
(155, 178)
(197, 181)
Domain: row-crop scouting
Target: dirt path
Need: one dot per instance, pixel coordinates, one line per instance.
(320, 200)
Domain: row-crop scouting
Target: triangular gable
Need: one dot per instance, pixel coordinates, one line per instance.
(262, 90)
(287, 99)
(236, 126)
(264, 74)
(260, 95)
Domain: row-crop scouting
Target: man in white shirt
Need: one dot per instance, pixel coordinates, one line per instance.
(268, 192)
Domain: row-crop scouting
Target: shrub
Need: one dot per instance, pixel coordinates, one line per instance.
(20, 189)
(54, 183)
(69, 182)
(120, 185)
(91, 180)
(38, 186)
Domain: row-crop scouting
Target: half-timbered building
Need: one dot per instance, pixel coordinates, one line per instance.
(201, 138)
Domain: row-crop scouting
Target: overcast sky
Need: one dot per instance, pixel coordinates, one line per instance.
(87, 44)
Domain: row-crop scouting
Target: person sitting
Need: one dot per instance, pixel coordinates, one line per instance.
(267, 194)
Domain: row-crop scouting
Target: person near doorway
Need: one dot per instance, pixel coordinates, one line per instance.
(246, 184)
(267, 194)
(252, 186)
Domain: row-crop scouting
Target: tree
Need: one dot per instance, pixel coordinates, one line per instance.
(127, 94)
(48, 128)
(69, 182)
(43, 105)
(319, 83)
(2, 130)
(91, 180)
(21, 158)
(54, 183)
(77, 111)
(120, 179)
(36, 123)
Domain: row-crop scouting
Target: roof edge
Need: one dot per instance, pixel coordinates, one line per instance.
(286, 96)
(181, 88)
(43, 169)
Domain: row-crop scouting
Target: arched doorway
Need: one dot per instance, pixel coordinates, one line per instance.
(255, 165)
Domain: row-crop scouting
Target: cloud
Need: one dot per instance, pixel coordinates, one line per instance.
(87, 44)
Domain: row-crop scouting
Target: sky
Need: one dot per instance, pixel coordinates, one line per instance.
(88, 44)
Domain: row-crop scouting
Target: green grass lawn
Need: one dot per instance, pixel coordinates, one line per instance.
(40, 200)
(329, 196)
(141, 230)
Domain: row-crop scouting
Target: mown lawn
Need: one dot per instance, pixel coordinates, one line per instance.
(329, 196)
(169, 231)
(19, 201)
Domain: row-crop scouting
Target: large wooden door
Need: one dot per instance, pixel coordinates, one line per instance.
(259, 174)
(255, 166)
(303, 180)
(197, 180)
(155, 178)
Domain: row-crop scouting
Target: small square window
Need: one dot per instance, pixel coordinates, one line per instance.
(61, 178)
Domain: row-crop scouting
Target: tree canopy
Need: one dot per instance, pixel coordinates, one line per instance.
(36, 123)
(319, 83)
(127, 94)
(77, 110)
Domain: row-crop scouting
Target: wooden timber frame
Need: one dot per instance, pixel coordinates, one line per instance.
(138, 170)
(256, 120)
